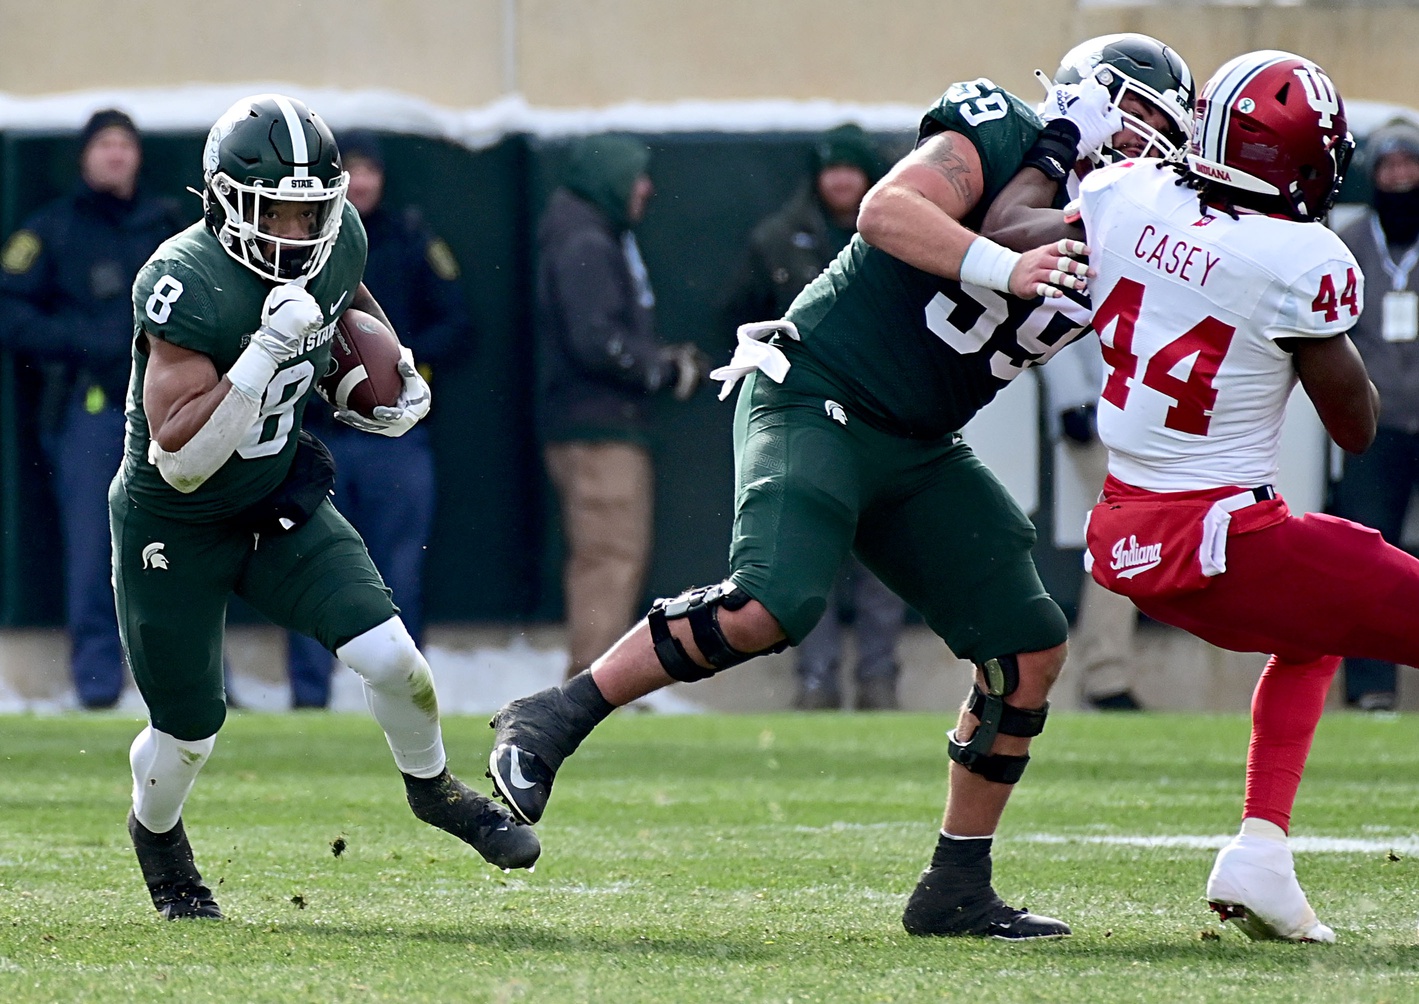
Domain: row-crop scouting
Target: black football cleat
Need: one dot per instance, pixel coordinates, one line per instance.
(168, 868)
(533, 736)
(446, 802)
(942, 906)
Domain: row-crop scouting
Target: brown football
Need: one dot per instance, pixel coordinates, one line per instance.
(364, 360)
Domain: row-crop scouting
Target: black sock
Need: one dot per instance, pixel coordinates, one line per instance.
(585, 694)
(968, 853)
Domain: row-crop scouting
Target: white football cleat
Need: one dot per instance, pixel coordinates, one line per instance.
(1253, 883)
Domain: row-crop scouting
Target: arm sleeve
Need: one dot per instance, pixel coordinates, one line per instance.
(591, 293)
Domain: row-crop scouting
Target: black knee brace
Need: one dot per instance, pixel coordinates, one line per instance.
(701, 608)
(1002, 677)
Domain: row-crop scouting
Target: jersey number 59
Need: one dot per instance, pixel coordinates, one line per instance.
(980, 100)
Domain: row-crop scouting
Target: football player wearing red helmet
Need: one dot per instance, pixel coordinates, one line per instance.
(1270, 136)
(1219, 291)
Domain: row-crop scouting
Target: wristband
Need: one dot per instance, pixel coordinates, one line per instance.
(1055, 150)
(252, 371)
(988, 264)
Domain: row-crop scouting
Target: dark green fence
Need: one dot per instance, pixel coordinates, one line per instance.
(495, 552)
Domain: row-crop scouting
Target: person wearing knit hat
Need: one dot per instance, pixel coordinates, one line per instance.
(851, 145)
(1375, 486)
(786, 251)
(65, 278)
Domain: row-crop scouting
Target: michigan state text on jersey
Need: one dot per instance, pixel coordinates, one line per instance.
(192, 293)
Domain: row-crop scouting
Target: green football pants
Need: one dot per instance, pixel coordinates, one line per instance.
(927, 517)
(172, 581)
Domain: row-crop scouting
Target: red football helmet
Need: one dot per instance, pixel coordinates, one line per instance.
(1270, 125)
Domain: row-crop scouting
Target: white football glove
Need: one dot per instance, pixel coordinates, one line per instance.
(1087, 105)
(394, 421)
(289, 316)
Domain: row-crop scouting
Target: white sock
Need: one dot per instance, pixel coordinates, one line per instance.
(164, 768)
(1253, 826)
(399, 689)
(952, 836)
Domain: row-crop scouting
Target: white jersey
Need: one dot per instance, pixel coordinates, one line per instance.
(1188, 307)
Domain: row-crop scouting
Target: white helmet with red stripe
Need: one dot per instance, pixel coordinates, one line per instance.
(1270, 127)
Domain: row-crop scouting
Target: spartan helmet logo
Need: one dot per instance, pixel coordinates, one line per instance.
(153, 556)
(836, 412)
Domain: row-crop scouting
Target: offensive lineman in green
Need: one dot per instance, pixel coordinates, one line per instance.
(846, 437)
(221, 492)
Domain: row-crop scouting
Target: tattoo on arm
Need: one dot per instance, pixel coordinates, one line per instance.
(941, 156)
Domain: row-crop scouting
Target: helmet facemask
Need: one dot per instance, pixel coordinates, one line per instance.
(1139, 65)
(243, 209)
(270, 161)
(1172, 104)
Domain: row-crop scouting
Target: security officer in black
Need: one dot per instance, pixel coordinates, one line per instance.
(385, 487)
(65, 307)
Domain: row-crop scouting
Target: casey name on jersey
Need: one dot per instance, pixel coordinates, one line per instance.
(1174, 256)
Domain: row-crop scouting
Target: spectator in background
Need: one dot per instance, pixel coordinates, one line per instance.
(1101, 643)
(600, 362)
(65, 281)
(786, 252)
(385, 486)
(1375, 486)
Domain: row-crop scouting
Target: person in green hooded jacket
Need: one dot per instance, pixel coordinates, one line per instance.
(599, 363)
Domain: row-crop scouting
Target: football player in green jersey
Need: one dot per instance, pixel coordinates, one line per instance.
(221, 492)
(847, 437)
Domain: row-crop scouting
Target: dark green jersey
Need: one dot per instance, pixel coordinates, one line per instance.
(917, 354)
(193, 294)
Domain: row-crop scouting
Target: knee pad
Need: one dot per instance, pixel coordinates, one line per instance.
(701, 608)
(1002, 676)
(383, 654)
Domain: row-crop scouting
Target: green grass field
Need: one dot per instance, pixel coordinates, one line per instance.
(710, 858)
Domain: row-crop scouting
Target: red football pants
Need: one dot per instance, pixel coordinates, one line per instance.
(1309, 590)
(1307, 587)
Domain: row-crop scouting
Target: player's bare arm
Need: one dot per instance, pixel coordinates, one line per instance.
(181, 389)
(1022, 217)
(1335, 379)
(914, 215)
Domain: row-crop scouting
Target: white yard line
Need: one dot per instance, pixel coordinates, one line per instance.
(1399, 843)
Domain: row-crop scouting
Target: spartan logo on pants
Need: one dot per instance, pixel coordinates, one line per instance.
(153, 556)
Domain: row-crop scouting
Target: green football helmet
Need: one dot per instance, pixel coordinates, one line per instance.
(1139, 64)
(269, 149)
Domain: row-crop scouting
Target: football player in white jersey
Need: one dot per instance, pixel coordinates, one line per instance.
(1218, 291)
